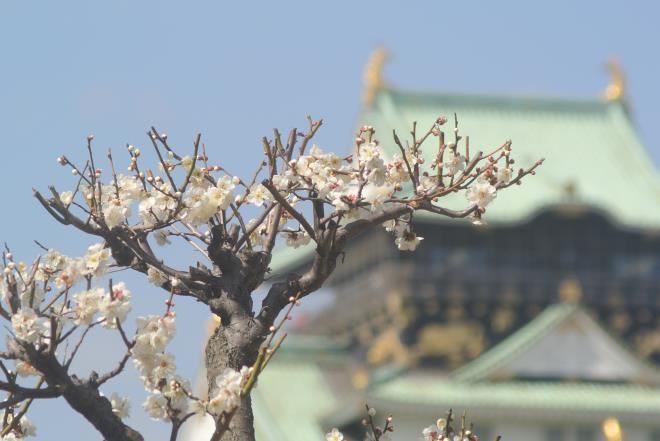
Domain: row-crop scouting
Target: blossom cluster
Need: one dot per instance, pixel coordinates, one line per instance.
(44, 293)
(170, 393)
(229, 389)
(442, 430)
(300, 195)
(196, 195)
(24, 289)
(23, 429)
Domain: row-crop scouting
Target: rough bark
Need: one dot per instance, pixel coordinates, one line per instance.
(234, 346)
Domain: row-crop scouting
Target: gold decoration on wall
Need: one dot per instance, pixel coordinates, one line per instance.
(503, 319)
(616, 90)
(373, 75)
(648, 343)
(620, 321)
(570, 290)
(455, 311)
(388, 347)
(454, 341)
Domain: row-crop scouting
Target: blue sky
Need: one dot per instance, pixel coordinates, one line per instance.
(235, 70)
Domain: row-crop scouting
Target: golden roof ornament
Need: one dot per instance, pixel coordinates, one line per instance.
(373, 75)
(616, 90)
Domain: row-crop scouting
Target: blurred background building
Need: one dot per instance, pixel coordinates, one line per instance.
(542, 325)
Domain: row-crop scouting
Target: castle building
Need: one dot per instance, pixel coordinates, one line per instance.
(542, 324)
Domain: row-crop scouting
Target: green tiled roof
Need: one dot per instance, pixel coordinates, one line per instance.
(290, 400)
(594, 157)
(589, 146)
(292, 397)
(611, 399)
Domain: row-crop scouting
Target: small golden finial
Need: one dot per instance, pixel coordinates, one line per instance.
(373, 75)
(612, 430)
(570, 290)
(616, 90)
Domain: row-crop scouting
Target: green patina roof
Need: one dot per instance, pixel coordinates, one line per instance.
(292, 397)
(589, 145)
(594, 157)
(290, 400)
(571, 397)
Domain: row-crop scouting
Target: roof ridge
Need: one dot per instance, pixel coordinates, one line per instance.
(531, 333)
(499, 98)
(514, 344)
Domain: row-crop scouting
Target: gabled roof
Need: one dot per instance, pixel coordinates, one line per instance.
(594, 157)
(562, 343)
(561, 365)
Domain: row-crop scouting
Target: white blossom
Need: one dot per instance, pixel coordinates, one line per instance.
(116, 211)
(407, 241)
(156, 407)
(156, 277)
(198, 407)
(376, 195)
(120, 405)
(87, 305)
(27, 325)
(54, 260)
(504, 175)
(258, 195)
(455, 163)
(430, 433)
(176, 390)
(66, 197)
(25, 369)
(96, 260)
(481, 193)
(334, 435)
(228, 393)
(297, 239)
(116, 306)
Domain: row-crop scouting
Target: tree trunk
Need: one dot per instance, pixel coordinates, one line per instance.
(233, 347)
